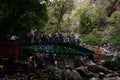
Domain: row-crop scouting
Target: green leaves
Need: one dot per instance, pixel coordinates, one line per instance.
(113, 65)
(86, 25)
(18, 15)
(115, 36)
(115, 16)
(57, 9)
(92, 40)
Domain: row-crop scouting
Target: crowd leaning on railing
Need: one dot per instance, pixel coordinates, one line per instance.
(35, 35)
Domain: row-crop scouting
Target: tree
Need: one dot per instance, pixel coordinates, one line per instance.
(58, 8)
(85, 19)
(19, 15)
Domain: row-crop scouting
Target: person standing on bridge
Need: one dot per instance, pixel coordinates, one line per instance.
(78, 40)
(31, 34)
(37, 36)
(13, 38)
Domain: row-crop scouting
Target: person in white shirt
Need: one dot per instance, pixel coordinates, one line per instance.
(32, 34)
(13, 38)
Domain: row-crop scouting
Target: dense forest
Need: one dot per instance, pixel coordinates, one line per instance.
(96, 21)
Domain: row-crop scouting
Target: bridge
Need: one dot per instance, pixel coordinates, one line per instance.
(8, 49)
(57, 47)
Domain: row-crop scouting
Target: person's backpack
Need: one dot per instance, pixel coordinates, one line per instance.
(78, 40)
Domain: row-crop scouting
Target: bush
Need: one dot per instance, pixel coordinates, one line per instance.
(115, 16)
(114, 38)
(86, 25)
(92, 40)
(113, 65)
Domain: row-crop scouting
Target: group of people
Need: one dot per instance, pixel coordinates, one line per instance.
(35, 35)
(101, 52)
(104, 49)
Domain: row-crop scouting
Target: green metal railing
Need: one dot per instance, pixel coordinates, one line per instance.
(58, 47)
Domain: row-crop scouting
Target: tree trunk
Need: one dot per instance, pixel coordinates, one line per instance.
(60, 17)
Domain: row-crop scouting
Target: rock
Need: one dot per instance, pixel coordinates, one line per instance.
(84, 72)
(108, 75)
(97, 69)
(112, 78)
(93, 78)
(74, 74)
(100, 73)
(113, 74)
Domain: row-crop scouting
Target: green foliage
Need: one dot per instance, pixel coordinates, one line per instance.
(64, 74)
(100, 14)
(115, 36)
(85, 10)
(57, 9)
(85, 19)
(115, 16)
(52, 73)
(113, 65)
(86, 25)
(101, 8)
(92, 40)
(19, 15)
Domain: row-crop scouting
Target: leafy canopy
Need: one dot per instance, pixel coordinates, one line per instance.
(57, 9)
(86, 25)
(19, 15)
